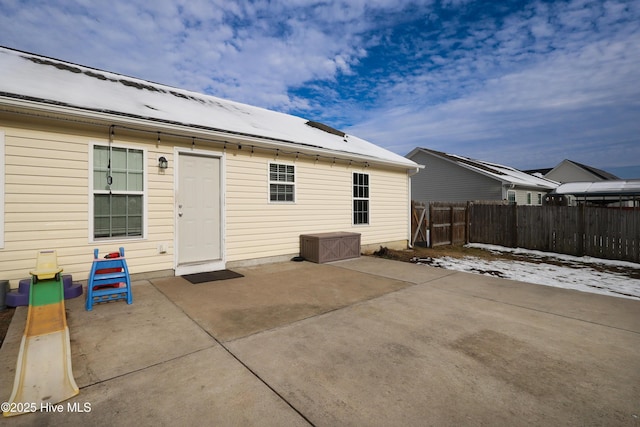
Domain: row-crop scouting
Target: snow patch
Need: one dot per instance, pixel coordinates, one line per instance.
(578, 273)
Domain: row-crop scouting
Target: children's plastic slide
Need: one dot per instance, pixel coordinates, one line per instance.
(43, 373)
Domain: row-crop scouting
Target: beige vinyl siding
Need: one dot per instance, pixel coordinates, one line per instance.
(521, 197)
(2, 179)
(256, 228)
(47, 202)
(389, 211)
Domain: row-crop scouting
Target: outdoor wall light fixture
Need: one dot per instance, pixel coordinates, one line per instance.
(163, 163)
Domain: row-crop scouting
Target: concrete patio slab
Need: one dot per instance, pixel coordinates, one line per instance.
(610, 311)
(148, 332)
(381, 267)
(148, 364)
(359, 342)
(272, 295)
(207, 387)
(424, 356)
(615, 312)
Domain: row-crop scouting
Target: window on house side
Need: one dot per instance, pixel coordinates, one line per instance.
(360, 198)
(511, 197)
(528, 198)
(539, 198)
(118, 208)
(281, 182)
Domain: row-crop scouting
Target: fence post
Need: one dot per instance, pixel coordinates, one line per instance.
(451, 217)
(430, 225)
(580, 232)
(515, 225)
(467, 225)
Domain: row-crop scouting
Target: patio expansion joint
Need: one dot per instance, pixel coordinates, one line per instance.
(235, 357)
(537, 310)
(333, 310)
(391, 277)
(124, 374)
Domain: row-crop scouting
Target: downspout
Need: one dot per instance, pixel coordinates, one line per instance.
(410, 173)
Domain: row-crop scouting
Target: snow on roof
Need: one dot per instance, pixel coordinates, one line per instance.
(51, 81)
(601, 188)
(502, 173)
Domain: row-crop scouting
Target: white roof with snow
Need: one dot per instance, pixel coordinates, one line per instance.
(505, 174)
(31, 77)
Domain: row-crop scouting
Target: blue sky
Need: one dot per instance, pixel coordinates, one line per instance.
(522, 83)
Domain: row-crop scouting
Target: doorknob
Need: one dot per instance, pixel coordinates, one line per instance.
(180, 214)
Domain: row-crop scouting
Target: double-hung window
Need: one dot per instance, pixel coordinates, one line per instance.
(282, 181)
(360, 198)
(118, 192)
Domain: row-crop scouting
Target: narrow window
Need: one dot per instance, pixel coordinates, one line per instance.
(539, 198)
(360, 198)
(281, 182)
(511, 197)
(528, 198)
(118, 192)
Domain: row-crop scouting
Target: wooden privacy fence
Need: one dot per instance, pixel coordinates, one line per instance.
(611, 233)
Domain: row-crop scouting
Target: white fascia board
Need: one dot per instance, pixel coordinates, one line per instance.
(107, 118)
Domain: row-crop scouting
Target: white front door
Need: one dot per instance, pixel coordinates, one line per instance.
(199, 214)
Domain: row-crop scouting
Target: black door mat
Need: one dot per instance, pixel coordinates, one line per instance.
(211, 276)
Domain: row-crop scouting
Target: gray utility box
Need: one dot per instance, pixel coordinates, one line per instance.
(326, 247)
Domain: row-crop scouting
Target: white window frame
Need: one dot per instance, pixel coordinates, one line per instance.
(143, 193)
(529, 198)
(286, 183)
(3, 172)
(509, 199)
(357, 198)
(539, 198)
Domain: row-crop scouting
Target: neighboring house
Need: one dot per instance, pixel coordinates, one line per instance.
(453, 178)
(570, 171)
(185, 182)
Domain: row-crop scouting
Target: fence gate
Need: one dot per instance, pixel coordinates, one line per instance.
(447, 223)
(418, 223)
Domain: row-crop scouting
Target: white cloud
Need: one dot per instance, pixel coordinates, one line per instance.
(551, 74)
(570, 93)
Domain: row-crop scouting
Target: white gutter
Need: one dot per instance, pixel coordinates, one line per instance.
(150, 125)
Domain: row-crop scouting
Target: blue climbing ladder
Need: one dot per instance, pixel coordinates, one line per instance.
(108, 280)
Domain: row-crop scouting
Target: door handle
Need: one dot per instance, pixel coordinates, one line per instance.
(180, 214)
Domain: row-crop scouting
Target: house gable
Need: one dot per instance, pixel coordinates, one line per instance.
(570, 171)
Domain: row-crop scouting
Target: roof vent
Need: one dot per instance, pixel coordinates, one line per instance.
(326, 128)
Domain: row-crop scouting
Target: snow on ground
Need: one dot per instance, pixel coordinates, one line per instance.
(587, 274)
